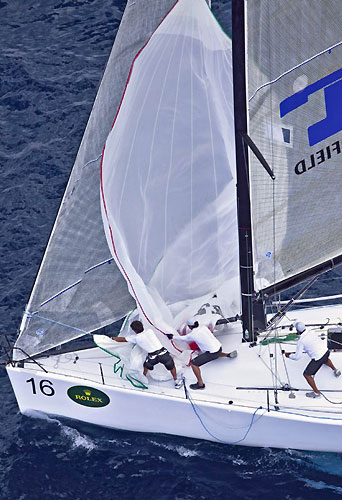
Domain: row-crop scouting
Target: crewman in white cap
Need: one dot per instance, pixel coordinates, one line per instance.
(315, 346)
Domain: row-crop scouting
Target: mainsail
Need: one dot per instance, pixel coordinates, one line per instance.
(168, 172)
(79, 287)
(294, 118)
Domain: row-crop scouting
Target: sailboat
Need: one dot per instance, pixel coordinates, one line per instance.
(206, 183)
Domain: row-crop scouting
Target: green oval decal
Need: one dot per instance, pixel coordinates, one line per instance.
(88, 396)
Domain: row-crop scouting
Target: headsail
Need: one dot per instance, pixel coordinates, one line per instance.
(168, 172)
(294, 90)
(79, 287)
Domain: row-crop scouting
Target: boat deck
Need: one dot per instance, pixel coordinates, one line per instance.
(247, 380)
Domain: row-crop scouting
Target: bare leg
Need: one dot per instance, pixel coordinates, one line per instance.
(223, 355)
(174, 373)
(145, 370)
(197, 373)
(311, 382)
(330, 364)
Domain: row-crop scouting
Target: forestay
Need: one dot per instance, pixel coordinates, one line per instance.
(79, 287)
(168, 172)
(294, 53)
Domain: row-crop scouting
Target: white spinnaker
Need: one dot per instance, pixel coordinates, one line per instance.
(294, 112)
(168, 171)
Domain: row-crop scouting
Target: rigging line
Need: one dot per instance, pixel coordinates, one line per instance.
(276, 319)
(274, 237)
(313, 299)
(329, 401)
(294, 68)
(268, 334)
(34, 315)
(274, 373)
(285, 365)
(270, 369)
(249, 291)
(193, 406)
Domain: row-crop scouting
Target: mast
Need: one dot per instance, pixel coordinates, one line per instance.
(243, 197)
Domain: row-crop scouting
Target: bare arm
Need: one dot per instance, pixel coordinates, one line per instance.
(119, 339)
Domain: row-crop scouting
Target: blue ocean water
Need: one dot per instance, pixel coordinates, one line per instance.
(53, 53)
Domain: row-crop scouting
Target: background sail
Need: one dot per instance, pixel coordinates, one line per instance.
(168, 174)
(294, 54)
(79, 285)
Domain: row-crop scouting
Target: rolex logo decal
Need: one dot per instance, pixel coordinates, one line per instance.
(88, 396)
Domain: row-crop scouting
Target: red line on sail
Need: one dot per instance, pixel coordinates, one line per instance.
(102, 189)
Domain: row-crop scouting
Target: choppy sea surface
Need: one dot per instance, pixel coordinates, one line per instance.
(52, 56)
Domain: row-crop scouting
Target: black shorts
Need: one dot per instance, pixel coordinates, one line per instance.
(314, 365)
(161, 356)
(204, 358)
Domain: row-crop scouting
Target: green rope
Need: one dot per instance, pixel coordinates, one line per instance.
(132, 380)
(290, 336)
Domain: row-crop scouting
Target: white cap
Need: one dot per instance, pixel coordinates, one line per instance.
(299, 326)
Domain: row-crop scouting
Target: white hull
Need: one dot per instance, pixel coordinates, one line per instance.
(139, 411)
(222, 412)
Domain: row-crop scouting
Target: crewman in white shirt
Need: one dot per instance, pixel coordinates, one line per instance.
(210, 347)
(156, 353)
(315, 346)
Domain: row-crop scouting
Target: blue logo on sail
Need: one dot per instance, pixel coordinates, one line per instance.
(332, 123)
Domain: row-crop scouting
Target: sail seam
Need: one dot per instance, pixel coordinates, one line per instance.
(161, 57)
(102, 188)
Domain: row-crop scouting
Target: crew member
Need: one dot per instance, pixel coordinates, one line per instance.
(210, 347)
(315, 346)
(156, 353)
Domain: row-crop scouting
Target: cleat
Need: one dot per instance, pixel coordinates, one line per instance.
(197, 386)
(232, 354)
(337, 373)
(313, 395)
